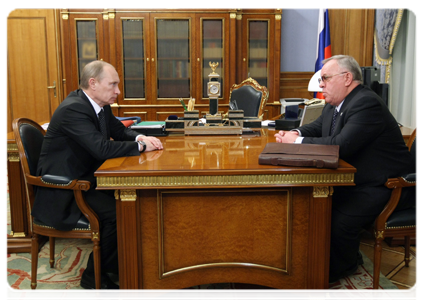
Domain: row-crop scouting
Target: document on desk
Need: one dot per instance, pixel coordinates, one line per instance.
(148, 124)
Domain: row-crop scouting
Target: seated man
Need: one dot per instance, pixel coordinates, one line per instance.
(75, 145)
(357, 120)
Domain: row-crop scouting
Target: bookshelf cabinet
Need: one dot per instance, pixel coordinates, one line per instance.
(163, 55)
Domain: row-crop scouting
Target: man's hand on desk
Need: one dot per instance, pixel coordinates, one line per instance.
(152, 143)
(286, 136)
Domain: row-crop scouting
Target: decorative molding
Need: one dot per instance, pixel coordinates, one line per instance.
(65, 16)
(12, 147)
(223, 180)
(13, 157)
(18, 234)
(126, 195)
(322, 191)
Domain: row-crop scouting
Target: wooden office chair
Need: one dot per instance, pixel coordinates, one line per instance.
(250, 97)
(398, 218)
(29, 138)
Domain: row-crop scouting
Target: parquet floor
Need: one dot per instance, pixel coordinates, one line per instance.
(393, 263)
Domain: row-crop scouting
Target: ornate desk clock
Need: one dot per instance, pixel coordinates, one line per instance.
(213, 89)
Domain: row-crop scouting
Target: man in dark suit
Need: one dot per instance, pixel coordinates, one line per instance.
(369, 139)
(75, 146)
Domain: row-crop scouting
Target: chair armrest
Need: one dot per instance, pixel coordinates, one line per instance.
(403, 181)
(410, 177)
(396, 184)
(58, 182)
(62, 182)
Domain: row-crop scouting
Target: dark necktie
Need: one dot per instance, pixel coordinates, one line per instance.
(335, 115)
(102, 121)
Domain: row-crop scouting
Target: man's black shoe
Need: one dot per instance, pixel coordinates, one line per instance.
(88, 282)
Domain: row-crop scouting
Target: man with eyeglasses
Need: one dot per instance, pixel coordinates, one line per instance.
(356, 119)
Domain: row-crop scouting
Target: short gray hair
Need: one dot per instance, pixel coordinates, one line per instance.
(348, 63)
(93, 69)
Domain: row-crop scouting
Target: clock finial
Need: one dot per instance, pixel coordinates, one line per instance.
(213, 66)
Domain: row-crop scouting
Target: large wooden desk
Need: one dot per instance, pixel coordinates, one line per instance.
(204, 211)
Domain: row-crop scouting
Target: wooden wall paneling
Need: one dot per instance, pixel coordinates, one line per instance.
(239, 50)
(232, 50)
(33, 65)
(352, 33)
(8, 114)
(295, 85)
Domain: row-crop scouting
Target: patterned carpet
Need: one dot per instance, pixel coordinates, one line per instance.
(71, 257)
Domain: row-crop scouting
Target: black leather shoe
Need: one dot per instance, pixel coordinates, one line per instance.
(88, 282)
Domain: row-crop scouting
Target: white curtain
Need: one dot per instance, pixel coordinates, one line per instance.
(402, 98)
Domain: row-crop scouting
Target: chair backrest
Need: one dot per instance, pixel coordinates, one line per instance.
(414, 147)
(29, 137)
(250, 97)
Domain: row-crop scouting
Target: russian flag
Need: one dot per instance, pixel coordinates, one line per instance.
(323, 42)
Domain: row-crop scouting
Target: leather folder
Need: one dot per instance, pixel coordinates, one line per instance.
(300, 155)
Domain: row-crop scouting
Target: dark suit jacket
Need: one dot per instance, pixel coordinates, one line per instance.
(74, 146)
(370, 139)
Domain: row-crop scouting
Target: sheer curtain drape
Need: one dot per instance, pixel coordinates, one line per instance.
(403, 73)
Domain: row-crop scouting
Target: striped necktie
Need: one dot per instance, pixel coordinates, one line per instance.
(335, 116)
(102, 121)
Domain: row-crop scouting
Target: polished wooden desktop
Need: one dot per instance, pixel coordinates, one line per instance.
(204, 211)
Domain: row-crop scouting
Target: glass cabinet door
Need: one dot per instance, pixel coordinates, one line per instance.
(258, 50)
(173, 55)
(86, 36)
(212, 50)
(133, 58)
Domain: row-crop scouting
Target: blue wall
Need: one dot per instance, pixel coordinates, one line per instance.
(299, 39)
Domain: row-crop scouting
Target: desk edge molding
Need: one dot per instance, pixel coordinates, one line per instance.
(145, 182)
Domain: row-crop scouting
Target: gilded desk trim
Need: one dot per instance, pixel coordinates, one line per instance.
(138, 182)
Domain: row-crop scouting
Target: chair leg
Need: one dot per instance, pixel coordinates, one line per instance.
(97, 264)
(34, 260)
(407, 251)
(377, 262)
(52, 247)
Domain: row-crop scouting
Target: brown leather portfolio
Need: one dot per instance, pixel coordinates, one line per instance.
(300, 155)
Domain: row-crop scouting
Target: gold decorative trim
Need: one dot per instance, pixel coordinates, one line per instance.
(18, 234)
(278, 17)
(12, 147)
(232, 15)
(65, 16)
(222, 180)
(111, 15)
(95, 236)
(220, 265)
(388, 61)
(396, 28)
(13, 157)
(127, 195)
(322, 191)
(399, 227)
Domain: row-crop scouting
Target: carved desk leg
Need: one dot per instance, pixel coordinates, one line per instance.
(19, 239)
(320, 229)
(128, 242)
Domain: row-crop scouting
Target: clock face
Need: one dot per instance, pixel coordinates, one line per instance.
(214, 89)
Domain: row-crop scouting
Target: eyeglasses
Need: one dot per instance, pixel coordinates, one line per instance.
(325, 78)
